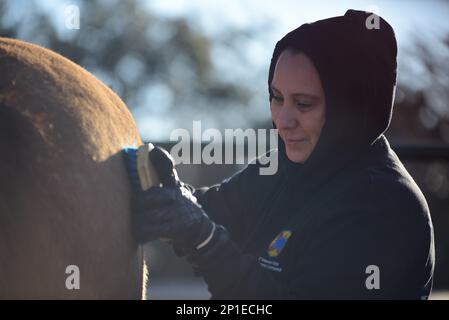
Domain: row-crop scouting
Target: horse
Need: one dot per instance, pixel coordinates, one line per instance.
(64, 191)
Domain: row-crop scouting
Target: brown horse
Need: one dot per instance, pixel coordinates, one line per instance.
(64, 190)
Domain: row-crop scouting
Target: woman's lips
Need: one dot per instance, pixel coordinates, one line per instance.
(293, 142)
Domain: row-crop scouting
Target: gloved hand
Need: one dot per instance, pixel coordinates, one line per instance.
(164, 165)
(171, 213)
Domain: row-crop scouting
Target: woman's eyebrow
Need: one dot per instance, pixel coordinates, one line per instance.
(298, 94)
(274, 88)
(306, 95)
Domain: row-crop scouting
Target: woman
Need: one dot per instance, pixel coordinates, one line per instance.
(341, 218)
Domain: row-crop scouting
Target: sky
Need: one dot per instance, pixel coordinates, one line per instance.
(409, 18)
(406, 16)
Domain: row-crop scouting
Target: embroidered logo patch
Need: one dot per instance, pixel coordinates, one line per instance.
(278, 243)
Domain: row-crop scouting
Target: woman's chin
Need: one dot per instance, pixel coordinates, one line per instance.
(297, 156)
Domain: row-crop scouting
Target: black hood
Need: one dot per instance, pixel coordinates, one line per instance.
(357, 67)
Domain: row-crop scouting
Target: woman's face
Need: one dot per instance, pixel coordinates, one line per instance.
(298, 106)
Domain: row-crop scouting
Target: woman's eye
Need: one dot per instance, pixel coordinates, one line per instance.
(277, 99)
(304, 104)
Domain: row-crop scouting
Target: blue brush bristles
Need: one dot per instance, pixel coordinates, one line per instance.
(130, 155)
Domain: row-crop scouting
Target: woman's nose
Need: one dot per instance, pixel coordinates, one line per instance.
(286, 118)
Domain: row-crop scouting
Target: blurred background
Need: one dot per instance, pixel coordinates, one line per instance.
(176, 61)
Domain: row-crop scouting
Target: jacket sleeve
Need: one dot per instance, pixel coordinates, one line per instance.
(229, 203)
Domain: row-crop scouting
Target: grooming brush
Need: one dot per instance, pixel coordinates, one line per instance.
(140, 169)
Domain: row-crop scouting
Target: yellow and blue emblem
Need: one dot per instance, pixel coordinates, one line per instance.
(278, 243)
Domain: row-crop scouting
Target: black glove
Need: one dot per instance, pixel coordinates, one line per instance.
(164, 165)
(171, 213)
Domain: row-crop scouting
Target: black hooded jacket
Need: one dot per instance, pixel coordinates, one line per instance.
(349, 223)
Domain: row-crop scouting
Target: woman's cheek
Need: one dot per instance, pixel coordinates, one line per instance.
(274, 113)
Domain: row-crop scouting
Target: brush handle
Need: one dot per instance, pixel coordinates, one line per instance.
(148, 176)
